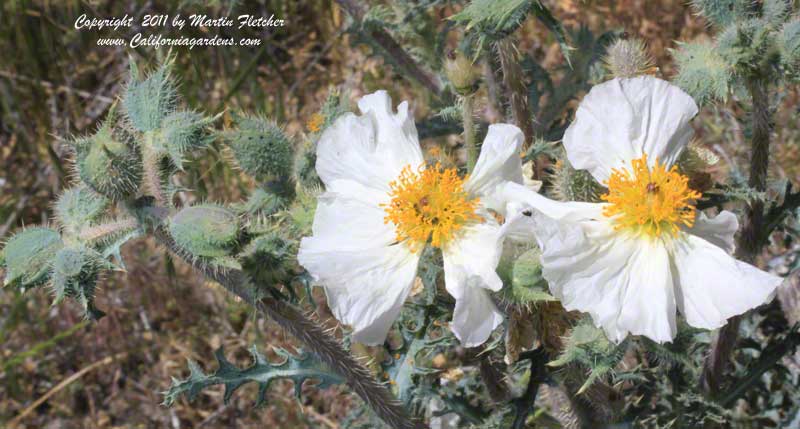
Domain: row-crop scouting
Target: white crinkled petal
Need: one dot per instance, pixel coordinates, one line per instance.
(521, 202)
(349, 217)
(371, 149)
(622, 119)
(625, 286)
(719, 230)
(499, 162)
(712, 286)
(475, 317)
(469, 274)
(366, 288)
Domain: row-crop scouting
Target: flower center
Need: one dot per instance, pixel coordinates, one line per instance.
(649, 201)
(429, 203)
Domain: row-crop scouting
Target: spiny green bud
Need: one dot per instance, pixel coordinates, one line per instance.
(461, 72)
(789, 44)
(262, 203)
(305, 171)
(108, 161)
(149, 101)
(694, 163)
(79, 207)
(301, 213)
(76, 271)
(722, 13)
(205, 230)
(261, 148)
(570, 184)
(702, 72)
(27, 256)
(527, 284)
(181, 133)
(628, 57)
(259, 208)
(268, 260)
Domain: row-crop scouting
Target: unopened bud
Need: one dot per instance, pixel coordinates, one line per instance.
(461, 72)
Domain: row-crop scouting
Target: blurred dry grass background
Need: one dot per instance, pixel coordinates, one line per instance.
(55, 83)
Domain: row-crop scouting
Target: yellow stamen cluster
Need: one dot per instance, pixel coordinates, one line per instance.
(650, 201)
(315, 122)
(429, 203)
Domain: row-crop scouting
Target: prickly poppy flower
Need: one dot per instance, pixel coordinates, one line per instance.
(645, 253)
(382, 205)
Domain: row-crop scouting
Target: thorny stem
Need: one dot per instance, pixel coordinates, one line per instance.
(469, 132)
(99, 232)
(152, 171)
(749, 243)
(313, 336)
(514, 82)
(400, 56)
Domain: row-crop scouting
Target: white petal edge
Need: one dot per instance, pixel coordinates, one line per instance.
(622, 119)
(499, 162)
(366, 288)
(469, 275)
(719, 230)
(712, 286)
(371, 149)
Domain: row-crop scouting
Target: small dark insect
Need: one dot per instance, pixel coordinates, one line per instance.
(652, 188)
(423, 202)
(527, 213)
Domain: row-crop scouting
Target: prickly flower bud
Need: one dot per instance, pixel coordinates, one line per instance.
(527, 284)
(628, 57)
(182, 132)
(261, 148)
(268, 259)
(694, 163)
(205, 230)
(27, 256)
(570, 184)
(79, 207)
(461, 72)
(76, 271)
(108, 161)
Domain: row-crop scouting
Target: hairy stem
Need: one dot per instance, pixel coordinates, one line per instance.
(152, 171)
(99, 232)
(312, 335)
(514, 82)
(403, 60)
(469, 132)
(749, 243)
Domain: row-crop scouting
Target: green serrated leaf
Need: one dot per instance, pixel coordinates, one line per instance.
(297, 368)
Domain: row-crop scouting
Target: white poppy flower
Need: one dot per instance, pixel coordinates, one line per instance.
(382, 205)
(634, 260)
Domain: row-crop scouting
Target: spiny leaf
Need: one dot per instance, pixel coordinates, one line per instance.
(702, 72)
(149, 101)
(262, 372)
